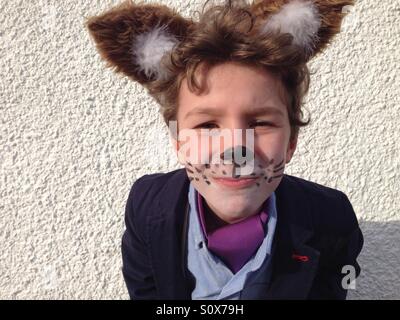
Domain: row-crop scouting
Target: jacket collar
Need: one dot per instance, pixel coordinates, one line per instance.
(294, 263)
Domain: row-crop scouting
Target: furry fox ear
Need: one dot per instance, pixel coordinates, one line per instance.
(312, 23)
(134, 38)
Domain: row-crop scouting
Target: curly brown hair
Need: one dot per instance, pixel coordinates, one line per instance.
(227, 33)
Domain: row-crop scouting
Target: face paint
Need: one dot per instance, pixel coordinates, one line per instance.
(235, 189)
(244, 107)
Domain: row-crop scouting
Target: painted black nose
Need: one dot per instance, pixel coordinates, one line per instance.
(239, 155)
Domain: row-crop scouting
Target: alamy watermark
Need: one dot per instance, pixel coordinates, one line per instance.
(349, 280)
(215, 146)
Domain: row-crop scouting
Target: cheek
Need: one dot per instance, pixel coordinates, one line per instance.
(191, 149)
(271, 146)
(198, 173)
(204, 146)
(199, 149)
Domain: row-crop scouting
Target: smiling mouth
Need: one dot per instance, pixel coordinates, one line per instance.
(236, 182)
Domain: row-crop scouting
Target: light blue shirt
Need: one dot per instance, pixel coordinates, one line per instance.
(214, 280)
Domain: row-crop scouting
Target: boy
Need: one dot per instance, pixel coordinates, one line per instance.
(231, 224)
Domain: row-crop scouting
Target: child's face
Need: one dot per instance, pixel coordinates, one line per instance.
(237, 97)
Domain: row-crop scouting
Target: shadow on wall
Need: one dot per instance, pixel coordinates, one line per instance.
(379, 261)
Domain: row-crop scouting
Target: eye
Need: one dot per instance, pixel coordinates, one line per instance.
(262, 124)
(206, 125)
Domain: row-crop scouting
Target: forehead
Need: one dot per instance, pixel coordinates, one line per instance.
(232, 86)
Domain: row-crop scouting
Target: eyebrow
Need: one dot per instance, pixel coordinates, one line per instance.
(265, 110)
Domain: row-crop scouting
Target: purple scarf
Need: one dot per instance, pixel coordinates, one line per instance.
(235, 243)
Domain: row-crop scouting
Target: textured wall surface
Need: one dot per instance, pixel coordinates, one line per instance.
(74, 137)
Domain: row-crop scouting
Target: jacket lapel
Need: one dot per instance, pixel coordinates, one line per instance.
(293, 263)
(165, 227)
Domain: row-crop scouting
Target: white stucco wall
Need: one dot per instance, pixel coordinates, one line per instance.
(74, 137)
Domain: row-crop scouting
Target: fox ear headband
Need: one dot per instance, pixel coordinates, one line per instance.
(134, 38)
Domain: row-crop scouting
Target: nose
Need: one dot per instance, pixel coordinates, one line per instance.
(239, 155)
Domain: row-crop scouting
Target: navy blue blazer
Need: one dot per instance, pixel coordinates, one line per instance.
(317, 233)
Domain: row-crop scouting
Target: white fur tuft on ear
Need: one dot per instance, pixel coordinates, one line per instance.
(299, 18)
(149, 48)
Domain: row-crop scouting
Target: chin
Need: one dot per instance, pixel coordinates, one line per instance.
(235, 211)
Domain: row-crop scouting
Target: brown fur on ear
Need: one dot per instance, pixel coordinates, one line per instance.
(330, 13)
(115, 30)
(263, 8)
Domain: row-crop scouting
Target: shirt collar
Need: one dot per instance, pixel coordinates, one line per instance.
(196, 205)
